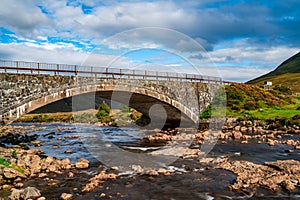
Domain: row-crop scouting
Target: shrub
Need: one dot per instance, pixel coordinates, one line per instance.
(283, 89)
(135, 115)
(236, 108)
(14, 153)
(250, 105)
(103, 113)
(206, 113)
(234, 94)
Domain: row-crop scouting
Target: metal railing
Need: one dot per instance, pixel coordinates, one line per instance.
(7, 66)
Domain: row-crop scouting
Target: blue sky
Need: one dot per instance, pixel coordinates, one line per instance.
(238, 40)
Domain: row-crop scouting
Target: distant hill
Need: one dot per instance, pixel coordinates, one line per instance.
(286, 74)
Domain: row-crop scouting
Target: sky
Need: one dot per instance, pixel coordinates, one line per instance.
(237, 40)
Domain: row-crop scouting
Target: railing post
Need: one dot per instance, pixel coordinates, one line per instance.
(76, 72)
(145, 75)
(17, 62)
(120, 73)
(106, 71)
(157, 76)
(57, 66)
(92, 72)
(38, 68)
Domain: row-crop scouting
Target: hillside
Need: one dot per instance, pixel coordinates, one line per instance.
(286, 74)
(250, 101)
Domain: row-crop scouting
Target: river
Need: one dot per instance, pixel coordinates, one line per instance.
(191, 180)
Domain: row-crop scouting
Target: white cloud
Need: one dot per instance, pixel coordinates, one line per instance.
(253, 57)
(22, 17)
(62, 54)
(243, 61)
(107, 20)
(239, 59)
(235, 74)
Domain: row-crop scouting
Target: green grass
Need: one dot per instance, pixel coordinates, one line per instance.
(266, 113)
(8, 164)
(47, 118)
(287, 111)
(251, 102)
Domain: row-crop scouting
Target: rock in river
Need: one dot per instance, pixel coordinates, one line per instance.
(12, 173)
(26, 194)
(82, 163)
(66, 196)
(31, 193)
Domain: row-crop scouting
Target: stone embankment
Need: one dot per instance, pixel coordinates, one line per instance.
(30, 164)
(18, 165)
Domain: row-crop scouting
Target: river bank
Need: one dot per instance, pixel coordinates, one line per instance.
(229, 170)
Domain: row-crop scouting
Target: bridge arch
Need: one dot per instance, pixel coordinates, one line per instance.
(142, 99)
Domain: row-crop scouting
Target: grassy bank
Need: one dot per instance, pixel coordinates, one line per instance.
(104, 115)
(253, 102)
(80, 116)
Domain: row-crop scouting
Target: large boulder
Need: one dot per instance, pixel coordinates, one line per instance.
(25, 194)
(11, 173)
(15, 194)
(31, 193)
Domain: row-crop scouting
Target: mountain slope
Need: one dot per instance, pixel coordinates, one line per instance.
(291, 65)
(286, 74)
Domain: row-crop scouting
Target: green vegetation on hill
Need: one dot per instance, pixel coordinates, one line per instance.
(289, 80)
(286, 74)
(291, 65)
(253, 102)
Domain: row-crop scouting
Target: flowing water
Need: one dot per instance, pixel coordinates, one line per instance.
(190, 181)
